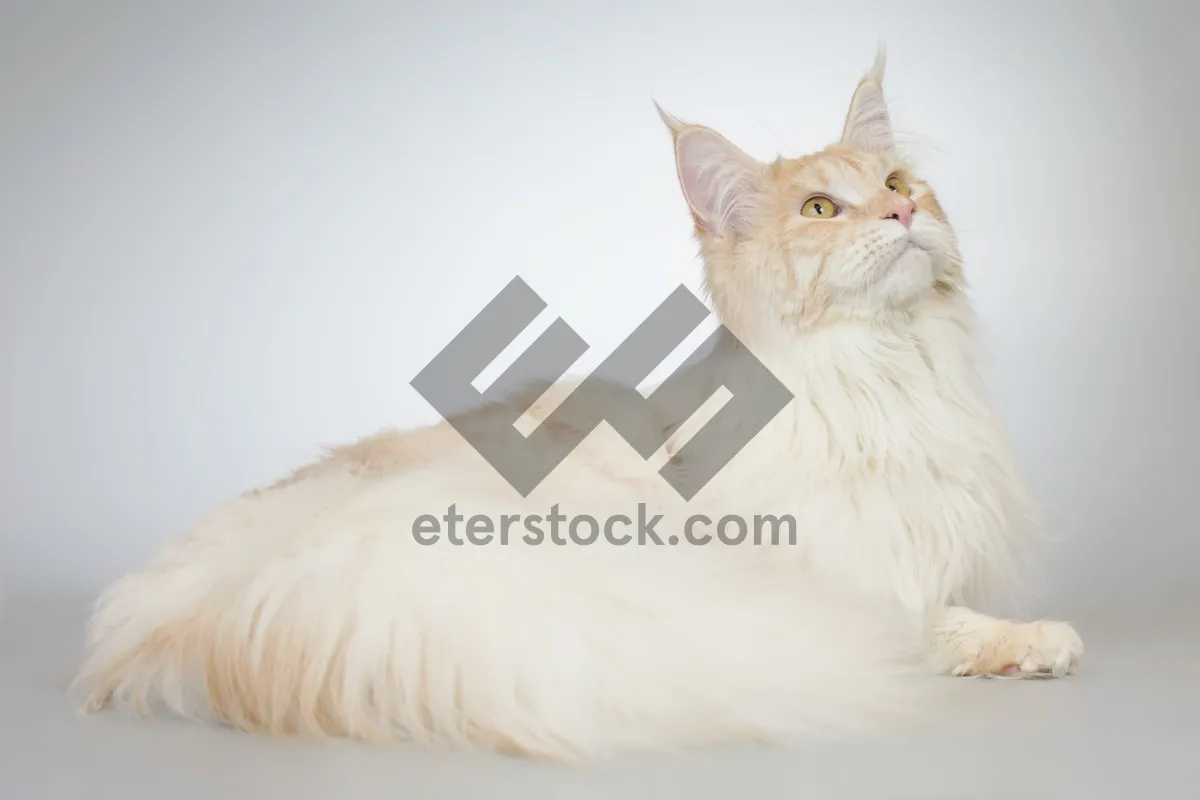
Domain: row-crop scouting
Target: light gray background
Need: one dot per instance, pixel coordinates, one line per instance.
(233, 232)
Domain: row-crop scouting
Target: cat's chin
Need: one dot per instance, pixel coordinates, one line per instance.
(906, 278)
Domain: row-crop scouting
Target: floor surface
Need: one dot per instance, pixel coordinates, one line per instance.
(1125, 727)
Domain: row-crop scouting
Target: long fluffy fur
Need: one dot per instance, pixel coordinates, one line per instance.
(307, 607)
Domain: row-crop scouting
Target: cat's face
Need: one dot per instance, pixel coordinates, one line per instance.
(851, 231)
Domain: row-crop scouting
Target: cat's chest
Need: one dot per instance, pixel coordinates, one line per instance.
(885, 451)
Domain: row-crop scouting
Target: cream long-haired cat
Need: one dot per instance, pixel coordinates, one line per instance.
(310, 607)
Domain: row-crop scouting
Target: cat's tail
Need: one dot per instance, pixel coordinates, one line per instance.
(371, 636)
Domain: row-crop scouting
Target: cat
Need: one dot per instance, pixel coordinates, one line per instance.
(310, 607)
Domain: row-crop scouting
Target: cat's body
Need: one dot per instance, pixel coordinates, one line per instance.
(310, 606)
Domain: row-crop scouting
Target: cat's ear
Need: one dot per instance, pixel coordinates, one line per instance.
(720, 183)
(868, 124)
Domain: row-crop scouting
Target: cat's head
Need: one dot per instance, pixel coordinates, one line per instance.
(851, 231)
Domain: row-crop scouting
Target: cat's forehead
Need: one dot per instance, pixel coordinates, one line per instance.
(836, 169)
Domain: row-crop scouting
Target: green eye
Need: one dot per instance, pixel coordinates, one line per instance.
(897, 185)
(819, 208)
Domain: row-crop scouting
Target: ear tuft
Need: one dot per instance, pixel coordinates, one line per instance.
(868, 124)
(875, 75)
(673, 124)
(720, 183)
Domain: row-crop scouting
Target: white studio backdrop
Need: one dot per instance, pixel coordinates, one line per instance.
(233, 232)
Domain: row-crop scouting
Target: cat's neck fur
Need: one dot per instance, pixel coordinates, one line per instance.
(888, 407)
(931, 340)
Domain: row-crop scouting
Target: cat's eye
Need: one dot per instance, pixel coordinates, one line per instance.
(819, 208)
(897, 184)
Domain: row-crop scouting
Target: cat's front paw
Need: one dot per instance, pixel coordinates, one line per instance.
(1044, 649)
(967, 643)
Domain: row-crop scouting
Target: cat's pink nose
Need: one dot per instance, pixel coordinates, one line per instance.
(901, 209)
